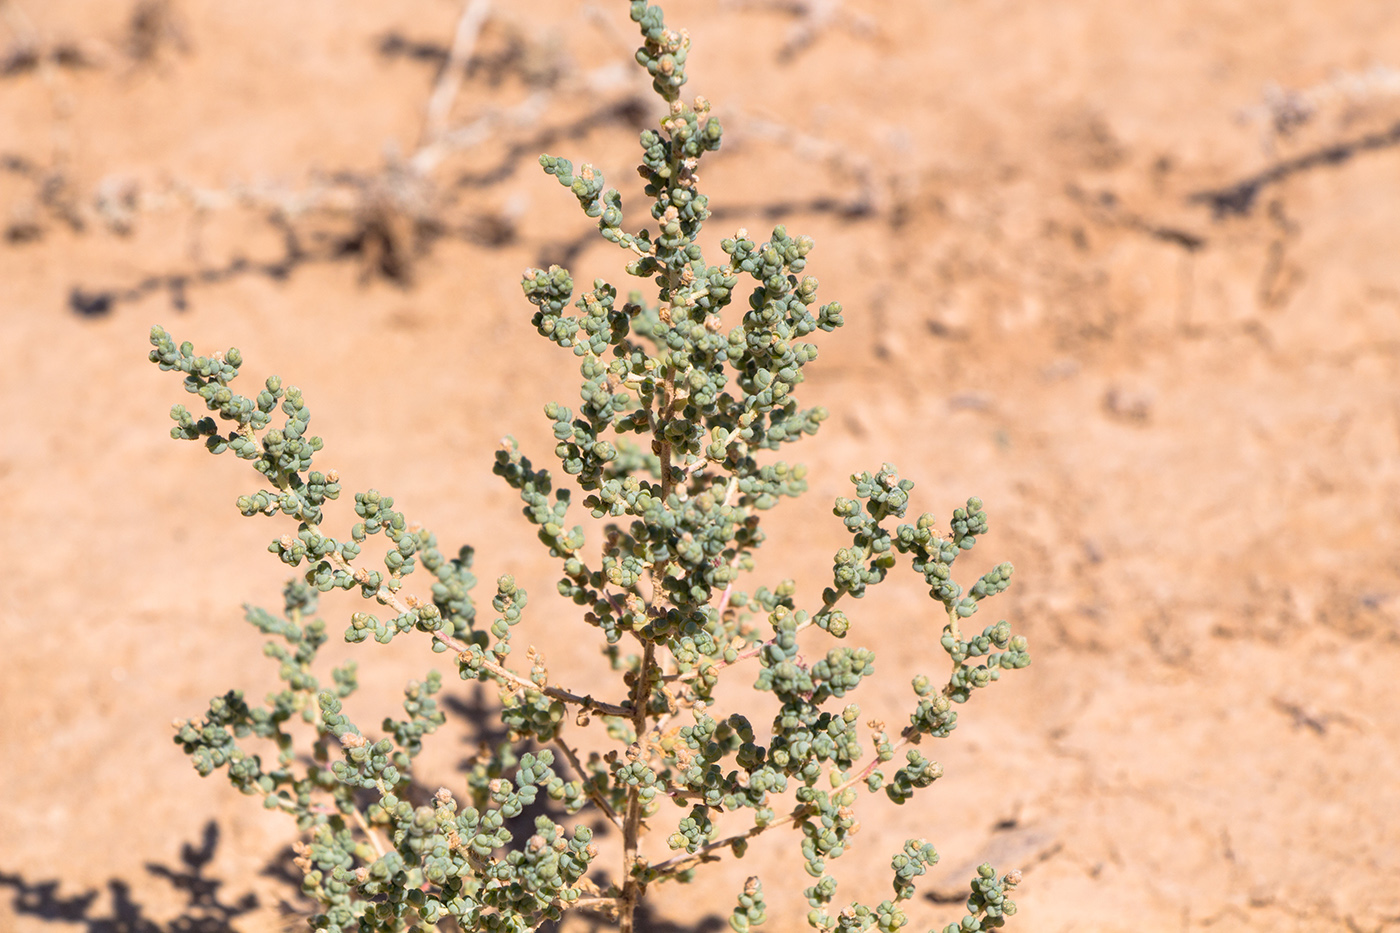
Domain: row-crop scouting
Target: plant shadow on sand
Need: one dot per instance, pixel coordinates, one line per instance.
(204, 910)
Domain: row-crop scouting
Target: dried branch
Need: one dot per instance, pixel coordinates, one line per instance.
(449, 81)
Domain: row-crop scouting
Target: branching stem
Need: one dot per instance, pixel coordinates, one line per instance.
(598, 800)
(393, 600)
(632, 886)
(524, 683)
(705, 853)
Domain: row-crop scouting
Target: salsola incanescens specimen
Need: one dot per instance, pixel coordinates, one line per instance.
(680, 515)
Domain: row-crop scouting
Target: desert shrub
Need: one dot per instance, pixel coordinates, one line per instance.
(672, 451)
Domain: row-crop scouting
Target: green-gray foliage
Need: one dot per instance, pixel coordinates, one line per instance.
(681, 522)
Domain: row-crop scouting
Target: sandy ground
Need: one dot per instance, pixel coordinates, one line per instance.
(1126, 271)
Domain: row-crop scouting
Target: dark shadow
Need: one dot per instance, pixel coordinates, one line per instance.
(371, 241)
(564, 252)
(1239, 199)
(480, 716)
(383, 250)
(1111, 211)
(100, 302)
(295, 909)
(21, 58)
(854, 209)
(512, 59)
(372, 238)
(18, 165)
(482, 729)
(203, 912)
(397, 45)
(646, 920)
(635, 112)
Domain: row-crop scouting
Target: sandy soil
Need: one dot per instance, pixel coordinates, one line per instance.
(1125, 271)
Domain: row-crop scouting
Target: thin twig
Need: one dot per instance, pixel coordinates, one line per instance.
(598, 800)
(449, 81)
(729, 491)
(721, 665)
(389, 597)
(292, 807)
(695, 466)
(503, 673)
(370, 833)
(606, 904)
(682, 862)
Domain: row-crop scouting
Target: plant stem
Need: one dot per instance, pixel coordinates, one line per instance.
(607, 905)
(373, 837)
(598, 800)
(557, 693)
(632, 886)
